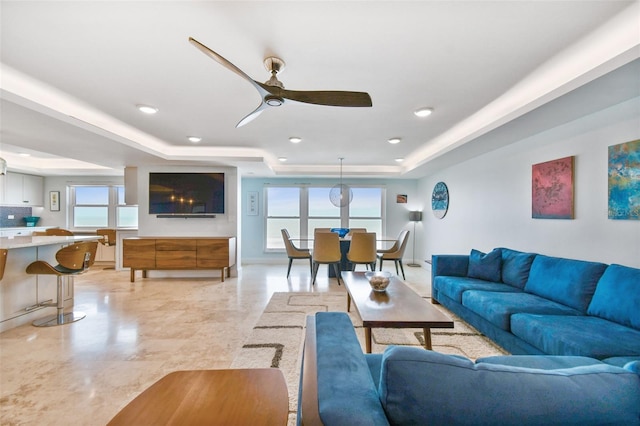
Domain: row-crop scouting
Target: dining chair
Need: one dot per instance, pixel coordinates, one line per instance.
(316, 230)
(362, 250)
(59, 232)
(355, 230)
(396, 251)
(294, 252)
(72, 260)
(326, 250)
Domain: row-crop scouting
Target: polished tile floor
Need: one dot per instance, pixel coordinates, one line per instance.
(135, 333)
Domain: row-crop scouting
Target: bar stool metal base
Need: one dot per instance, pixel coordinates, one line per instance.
(54, 320)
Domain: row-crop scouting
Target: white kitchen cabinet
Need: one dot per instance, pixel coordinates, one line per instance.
(23, 190)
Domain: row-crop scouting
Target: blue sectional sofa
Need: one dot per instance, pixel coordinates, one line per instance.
(535, 304)
(340, 385)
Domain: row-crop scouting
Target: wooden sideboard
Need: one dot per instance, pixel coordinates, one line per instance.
(171, 253)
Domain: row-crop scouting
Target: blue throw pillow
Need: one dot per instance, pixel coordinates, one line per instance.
(485, 266)
(567, 281)
(617, 296)
(515, 267)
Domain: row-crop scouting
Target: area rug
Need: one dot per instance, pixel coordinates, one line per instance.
(278, 337)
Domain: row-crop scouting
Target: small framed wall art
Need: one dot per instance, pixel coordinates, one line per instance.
(440, 200)
(252, 203)
(54, 201)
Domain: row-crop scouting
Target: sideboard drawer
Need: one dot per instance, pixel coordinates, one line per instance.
(176, 259)
(175, 244)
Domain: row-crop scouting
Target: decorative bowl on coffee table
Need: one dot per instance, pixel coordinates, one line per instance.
(378, 280)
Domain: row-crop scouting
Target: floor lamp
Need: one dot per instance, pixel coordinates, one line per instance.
(414, 217)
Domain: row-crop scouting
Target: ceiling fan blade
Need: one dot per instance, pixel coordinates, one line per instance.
(330, 98)
(224, 62)
(263, 105)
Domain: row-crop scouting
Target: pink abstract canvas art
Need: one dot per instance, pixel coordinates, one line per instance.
(552, 189)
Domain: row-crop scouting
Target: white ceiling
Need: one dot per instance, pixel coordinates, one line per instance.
(73, 72)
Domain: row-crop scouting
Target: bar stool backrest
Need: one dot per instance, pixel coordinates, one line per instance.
(108, 236)
(78, 256)
(59, 232)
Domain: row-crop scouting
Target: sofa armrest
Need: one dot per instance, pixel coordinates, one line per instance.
(336, 386)
(452, 265)
(308, 413)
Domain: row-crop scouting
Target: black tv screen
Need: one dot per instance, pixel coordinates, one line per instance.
(186, 193)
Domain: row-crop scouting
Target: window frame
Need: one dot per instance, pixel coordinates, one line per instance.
(113, 206)
(304, 212)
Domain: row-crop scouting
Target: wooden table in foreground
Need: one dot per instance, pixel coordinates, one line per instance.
(398, 307)
(211, 397)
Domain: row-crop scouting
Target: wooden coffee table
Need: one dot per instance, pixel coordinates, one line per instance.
(398, 307)
(211, 397)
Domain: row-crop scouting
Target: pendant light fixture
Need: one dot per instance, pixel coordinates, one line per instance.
(341, 194)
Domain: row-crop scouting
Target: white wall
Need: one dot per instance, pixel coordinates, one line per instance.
(490, 196)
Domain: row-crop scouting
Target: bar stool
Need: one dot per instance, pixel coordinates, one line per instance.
(72, 260)
(108, 239)
(3, 261)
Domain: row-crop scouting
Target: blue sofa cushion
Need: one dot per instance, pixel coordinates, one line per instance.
(617, 296)
(485, 266)
(344, 398)
(576, 335)
(567, 281)
(541, 362)
(515, 267)
(454, 287)
(621, 361)
(497, 308)
(419, 387)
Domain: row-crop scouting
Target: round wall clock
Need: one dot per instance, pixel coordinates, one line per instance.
(440, 200)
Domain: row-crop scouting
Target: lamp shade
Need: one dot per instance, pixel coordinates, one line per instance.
(415, 216)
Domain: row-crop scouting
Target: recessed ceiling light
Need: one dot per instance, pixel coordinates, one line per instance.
(194, 139)
(394, 140)
(282, 159)
(399, 160)
(423, 112)
(24, 154)
(295, 139)
(147, 109)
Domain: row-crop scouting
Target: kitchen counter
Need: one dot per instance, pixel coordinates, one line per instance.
(22, 230)
(22, 241)
(22, 294)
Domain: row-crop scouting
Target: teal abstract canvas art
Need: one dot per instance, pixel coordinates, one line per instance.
(624, 181)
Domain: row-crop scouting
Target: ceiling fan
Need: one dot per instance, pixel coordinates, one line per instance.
(274, 94)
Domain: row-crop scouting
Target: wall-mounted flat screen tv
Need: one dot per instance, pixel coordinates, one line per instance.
(186, 193)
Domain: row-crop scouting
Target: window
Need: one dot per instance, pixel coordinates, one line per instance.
(283, 211)
(301, 209)
(100, 206)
